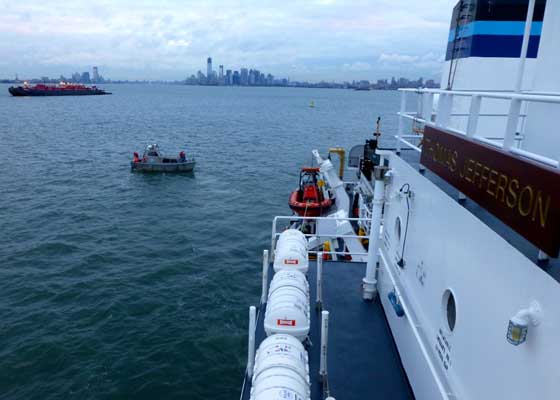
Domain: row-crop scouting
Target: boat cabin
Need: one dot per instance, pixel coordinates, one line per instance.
(152, 153)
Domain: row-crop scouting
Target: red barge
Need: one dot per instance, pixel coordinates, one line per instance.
(62, 89)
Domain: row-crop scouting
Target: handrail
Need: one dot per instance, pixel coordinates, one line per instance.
(298, 217)
(540, 98)
(275, 234)
(337, 236)
(414, 116)
(511, 141)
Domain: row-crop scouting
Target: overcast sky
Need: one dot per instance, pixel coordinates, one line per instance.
(167, 39)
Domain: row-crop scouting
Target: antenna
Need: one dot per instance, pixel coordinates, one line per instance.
(377, 132)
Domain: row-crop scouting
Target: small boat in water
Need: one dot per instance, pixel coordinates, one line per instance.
(153, 161)
(310, 199)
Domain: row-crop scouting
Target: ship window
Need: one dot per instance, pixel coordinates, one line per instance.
(449, 310)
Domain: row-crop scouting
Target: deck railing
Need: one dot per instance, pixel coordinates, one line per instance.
(275, 234)
(512, 139)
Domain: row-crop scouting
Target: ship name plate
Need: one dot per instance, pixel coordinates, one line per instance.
(523, 194)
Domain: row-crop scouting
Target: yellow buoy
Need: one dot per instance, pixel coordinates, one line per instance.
(312, 104)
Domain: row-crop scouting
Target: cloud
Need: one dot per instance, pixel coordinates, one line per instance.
(357, 66)
(397, 58)
(178, 43)
(323, 39)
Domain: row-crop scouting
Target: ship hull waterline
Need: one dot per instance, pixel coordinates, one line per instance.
(18, 92)
(163, 167)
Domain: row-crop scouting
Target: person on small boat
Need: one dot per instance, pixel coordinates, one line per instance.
(154, 161)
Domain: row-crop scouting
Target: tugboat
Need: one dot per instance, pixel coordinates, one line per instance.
(310, 199)
(62, 89)
(153, 161)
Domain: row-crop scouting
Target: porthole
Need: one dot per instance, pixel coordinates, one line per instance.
(449, 310)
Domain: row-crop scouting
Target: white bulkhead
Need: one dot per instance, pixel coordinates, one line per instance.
(281, 370)
(291, 251)
(287, 309)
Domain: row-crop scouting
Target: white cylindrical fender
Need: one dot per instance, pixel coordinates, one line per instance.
(281, 351)
(287, 311)
(291, 251)
(280, 383)
(292, 278)
(281, 370)
(291, 235)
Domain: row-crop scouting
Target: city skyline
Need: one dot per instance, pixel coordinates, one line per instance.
(318, 40)
(252, 77)
(241, 77)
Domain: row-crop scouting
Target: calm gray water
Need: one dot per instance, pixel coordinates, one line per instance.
(117, 285)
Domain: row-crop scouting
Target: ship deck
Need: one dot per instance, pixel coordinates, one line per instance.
(363, 361)
(551, 266)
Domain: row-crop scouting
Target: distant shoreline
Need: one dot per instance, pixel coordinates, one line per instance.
(179, 83)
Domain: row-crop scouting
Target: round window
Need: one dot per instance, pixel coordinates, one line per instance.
(449, 309)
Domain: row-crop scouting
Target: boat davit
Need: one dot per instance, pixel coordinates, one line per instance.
(311, 199)
(153, 161)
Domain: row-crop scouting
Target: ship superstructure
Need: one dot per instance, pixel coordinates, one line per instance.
(435, 274)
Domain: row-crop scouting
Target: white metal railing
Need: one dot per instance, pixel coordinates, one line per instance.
(511, 141)
(274, 235)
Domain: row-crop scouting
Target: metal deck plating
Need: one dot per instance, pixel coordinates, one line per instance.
(363, 361)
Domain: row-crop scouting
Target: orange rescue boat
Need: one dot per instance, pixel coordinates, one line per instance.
(309, 199)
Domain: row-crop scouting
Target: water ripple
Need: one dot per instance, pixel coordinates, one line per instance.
(119, 285)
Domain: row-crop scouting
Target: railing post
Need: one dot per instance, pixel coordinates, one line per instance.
(319, 302)
(273, 238)
(369, 285)
(324, 344)
(428, 102)
(251, 346)
(524, 45)
(440, 109)
(512, 123)
(264, 295)
(473, 115)
(444, 109)
(401, 120)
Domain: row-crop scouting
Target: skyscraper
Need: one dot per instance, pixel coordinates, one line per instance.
(221, 76)
(201, 78)
(209, 68)
(235, 78)
(95, 75)
(244, 77)
(252, 80)
(229, 80)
